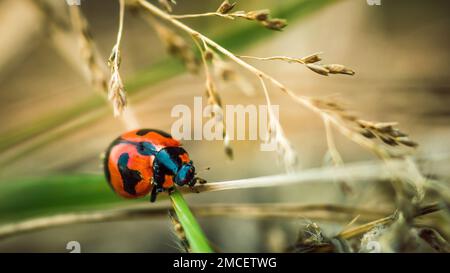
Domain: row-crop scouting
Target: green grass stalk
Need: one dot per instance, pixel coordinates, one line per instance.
(193, 231)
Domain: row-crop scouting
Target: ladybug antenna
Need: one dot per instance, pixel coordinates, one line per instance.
(202, 171)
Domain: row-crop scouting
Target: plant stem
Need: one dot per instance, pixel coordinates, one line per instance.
(183, 16)
(316, 212)
(356, 231)
(193, 231)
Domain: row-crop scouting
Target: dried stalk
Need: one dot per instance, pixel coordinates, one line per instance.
(359, 230)
(140, 212)
(260, 16)
(319, 212)
(355, 172)
(310, 62)
(206, 14)
(116, 92)
(335, 156)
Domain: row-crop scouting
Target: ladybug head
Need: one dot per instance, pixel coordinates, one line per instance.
(185, 174)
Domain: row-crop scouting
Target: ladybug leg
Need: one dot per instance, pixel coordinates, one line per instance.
(155, 190)
(154, 194)
(158, 176)
(158, 179)
(201, 181)
(196, 180)
(170, 190)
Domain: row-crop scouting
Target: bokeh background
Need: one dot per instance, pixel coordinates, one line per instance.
(54, 127)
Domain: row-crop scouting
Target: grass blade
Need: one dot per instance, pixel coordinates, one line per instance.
(194, 233)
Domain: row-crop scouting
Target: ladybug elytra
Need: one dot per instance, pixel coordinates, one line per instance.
(147, 160)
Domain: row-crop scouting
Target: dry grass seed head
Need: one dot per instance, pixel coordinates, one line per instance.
(385, 131)
(177, 46)
(214, 99)
(116, 92)
(89, 53)
(263, 16)
(258, 15)
(275, 24)
(228, 74)
(276, 135)
(327, 69)
(311, 62)
(313, 58)
(225, 7)
(284, 148)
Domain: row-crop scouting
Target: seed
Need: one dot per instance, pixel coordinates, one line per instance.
(258, 15)
(339, 69)
(407, 142)
(313, 58)
(318, 69)
(275, 24)
(367, 133)
(389, 141)
(226, 7)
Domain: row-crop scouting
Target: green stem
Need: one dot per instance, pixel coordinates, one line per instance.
(193, 231)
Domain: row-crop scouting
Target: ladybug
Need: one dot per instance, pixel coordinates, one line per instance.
(147, 160)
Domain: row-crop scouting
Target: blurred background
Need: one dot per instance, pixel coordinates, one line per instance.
(55, 126)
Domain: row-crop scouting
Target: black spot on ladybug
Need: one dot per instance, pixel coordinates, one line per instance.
(145, 148)
(106, 160)
(143, 132)
(130, 177)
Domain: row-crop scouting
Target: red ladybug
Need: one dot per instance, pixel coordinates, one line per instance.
(147, 160)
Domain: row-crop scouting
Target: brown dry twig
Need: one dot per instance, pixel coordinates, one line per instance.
(359, 230)
(260, 16)
(325, 212)
(311, 62)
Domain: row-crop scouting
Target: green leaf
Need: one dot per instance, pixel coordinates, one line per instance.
(39, 196)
